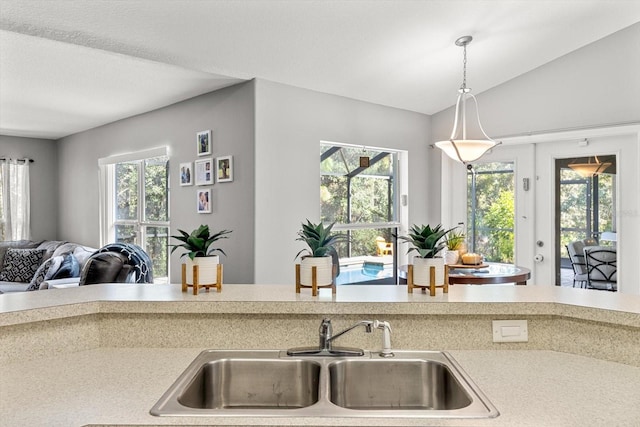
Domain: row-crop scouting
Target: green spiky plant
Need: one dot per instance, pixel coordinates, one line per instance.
(198, 243)
(426, 241)
(320, 239)
(454, 239)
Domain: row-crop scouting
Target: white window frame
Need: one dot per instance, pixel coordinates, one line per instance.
(108, 219)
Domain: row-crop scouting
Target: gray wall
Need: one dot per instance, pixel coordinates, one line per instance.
(43, 179)
(229, 113)
(290, 123)
(596, 85)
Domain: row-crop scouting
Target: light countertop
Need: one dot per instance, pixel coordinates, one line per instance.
(109, 386)
(622, 309)
(100, 354)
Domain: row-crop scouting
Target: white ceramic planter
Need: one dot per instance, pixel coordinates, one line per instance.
(421, 268)
(324, 270)
(451, 257)
(207, 269)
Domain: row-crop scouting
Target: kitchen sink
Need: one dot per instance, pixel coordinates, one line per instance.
(396, 384)
(253, 383)
(269, 383)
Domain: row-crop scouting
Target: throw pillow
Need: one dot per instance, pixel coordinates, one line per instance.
(39, 277)
(69, 268)
(20, 265)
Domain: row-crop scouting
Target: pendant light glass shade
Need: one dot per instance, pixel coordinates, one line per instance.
(589, 169)
(466, 143)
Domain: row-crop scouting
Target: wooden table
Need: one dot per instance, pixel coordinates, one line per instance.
(491, 273)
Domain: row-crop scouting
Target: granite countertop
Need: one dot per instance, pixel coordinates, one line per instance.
(23, 307)
(103, 385)
(109, 386)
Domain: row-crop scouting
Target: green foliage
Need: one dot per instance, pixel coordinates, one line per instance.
(426, 241)
(372, 196)
(499, 218)
(156, 209)
(198, 243)
(319, 238)
(494, 211)
(454, 239)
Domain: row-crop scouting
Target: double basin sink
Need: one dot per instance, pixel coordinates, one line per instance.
(264, 383)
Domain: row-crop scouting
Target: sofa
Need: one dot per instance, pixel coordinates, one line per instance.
(28, 265)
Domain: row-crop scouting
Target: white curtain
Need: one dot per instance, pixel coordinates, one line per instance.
(16, 200)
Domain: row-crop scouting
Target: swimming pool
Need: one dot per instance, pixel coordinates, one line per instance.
(359, 273)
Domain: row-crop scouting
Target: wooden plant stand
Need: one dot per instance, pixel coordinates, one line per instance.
(432, 281)
(314, 281)
(196, 285)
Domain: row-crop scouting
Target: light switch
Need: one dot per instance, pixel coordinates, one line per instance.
(510, 331)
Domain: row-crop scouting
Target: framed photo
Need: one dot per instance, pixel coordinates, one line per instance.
(204, 200)
(186, 174)
(224, 166)
(203, 141)
(204, 171)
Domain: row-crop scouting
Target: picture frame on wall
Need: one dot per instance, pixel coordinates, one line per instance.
(203, 200)
(224, 168)
(204, 171)
(203, 142)
(186, 174)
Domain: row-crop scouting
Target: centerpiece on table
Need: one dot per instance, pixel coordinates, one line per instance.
(454, 240)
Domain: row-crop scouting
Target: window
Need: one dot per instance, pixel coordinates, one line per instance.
(358, 191)
(491, 211)
(136, 204)
(15, 223)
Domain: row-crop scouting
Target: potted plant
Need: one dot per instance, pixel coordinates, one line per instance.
(320, 253)
(199, 251)
(454, 240)
(428, 243)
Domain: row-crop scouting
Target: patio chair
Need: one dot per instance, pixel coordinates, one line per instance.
(601, 268)
(384, 247)
(576, 256)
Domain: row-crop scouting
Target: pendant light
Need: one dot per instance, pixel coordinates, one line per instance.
(462, 147)
(589, 169)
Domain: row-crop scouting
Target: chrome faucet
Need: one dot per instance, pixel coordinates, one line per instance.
(326, 338)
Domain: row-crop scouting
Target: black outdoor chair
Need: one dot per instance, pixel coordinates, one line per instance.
(601, 268)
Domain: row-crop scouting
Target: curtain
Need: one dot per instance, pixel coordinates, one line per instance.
(16, 201)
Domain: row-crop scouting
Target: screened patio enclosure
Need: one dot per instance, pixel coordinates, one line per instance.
(358, 191)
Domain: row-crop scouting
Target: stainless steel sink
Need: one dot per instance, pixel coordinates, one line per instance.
(268, 383)
(396, 384)
(253, 383)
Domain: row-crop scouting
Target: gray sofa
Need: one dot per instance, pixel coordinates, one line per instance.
(30, 265)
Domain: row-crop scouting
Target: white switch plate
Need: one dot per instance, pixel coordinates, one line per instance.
(510, 331)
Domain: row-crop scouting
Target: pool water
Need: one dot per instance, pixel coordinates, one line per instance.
(364, 273)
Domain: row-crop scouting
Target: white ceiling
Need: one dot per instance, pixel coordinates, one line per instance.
(69, 65)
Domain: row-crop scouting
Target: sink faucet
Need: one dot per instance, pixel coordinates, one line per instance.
(326, 332)
(326, 338)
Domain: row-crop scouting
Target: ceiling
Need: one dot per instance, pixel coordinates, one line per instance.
(68, 65)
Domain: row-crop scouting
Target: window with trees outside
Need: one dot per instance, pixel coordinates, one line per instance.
(358, 191)
(491, 211)
(136, 207)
